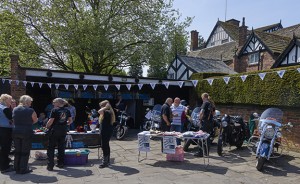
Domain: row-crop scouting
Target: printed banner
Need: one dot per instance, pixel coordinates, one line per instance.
(144, 142)
(169, 144)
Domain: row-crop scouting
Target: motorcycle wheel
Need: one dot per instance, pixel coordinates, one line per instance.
(121, 131)
(220, 145)
(260, 163)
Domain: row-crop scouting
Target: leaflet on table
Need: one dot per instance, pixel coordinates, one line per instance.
(169, 144)
(144, 141)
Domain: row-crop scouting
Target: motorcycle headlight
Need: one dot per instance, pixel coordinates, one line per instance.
(224, 123)
(269, 133)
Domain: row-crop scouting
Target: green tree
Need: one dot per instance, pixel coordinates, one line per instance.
(14, 40)
(99, 36)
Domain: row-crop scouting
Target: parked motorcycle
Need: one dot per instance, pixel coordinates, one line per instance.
(269, 135)
(153, 118)
(193, 125)
(232, 132)
(121, 127)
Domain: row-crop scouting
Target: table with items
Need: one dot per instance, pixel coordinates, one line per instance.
(169, 145)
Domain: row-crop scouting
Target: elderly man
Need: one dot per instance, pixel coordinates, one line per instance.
(177, 112)
(166, 115)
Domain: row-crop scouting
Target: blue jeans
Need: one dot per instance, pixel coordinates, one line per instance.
(177, 128)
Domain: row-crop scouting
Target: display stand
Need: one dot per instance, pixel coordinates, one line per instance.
(143, 143)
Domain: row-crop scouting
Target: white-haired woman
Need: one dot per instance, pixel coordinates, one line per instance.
(60, 118)
(5, 132)
(23, 116)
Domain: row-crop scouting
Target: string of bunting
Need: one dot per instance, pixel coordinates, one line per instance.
(153, 85)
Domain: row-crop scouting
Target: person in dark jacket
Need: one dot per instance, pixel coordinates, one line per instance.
(23, 117)
(60, 119)
(6, 126)
(106, 120)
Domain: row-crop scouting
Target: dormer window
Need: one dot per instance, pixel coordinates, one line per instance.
(253, 58)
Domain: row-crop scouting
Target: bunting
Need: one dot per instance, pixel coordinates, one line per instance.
(76, 86)
(3, 81)
(9, 81)
(40, 84)
(118, 86)
(244, 77)
(140, 86)
(180, 84)
(298, 70)
(25, 83)
(32, 83)
(17, 82)
(280, 73)
(95, 86)
(128, 86)
(195, 82)
(152, 85)
(226, 79)
(84, 86)
(210, 81)
(262, 75)
(49, 85)
(66, 86)
(105, 87)
(56, 86)
(166, 84)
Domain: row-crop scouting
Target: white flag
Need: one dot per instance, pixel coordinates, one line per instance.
(25, 83)
(118, 86)
(3, 81)
(180, 83)
(40, 84)
(152, 85)
(167, 84)
(95, 86)
(195, 82)
(243, 77)
(49, 84)
(9, 81)
(76, 86)
(262, 75)
(281, 73)
(17, 82)
(128, 86)
(84, 86)
(66, 86)
(56, 86)
(140, 86)
(105, 87)
(297, 69)
(210, 81)
(32, 83)
(226, 79)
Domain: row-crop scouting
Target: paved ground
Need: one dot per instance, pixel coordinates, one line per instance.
(237, 166)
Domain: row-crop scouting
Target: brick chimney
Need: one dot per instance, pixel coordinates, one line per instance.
(242, 33)
(194, 40)
(17, 74)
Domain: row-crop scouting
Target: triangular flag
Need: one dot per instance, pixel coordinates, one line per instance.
(32, 83)
(56, 86)
(40, 84)
(3, 81)
(128, 86)
(297, 69)
(226, 79)
(66, 86)
(195, 82)
(166, 84)
(262, 75)
(25, 83)
(9, 81)
(105, 87)
(152, 85)
(118, 86)
(49, 84)
(95, 86)
(210, 81)
(180, 83)
(140, 86)
(281, 73)
(84, 86)
(17, 82)
(76, 86)
(243, 77)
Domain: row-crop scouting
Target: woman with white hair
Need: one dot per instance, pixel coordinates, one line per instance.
(24, 116)
(5, 132)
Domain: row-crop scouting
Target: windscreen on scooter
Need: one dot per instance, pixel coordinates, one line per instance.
(195, 116)
(271, 115)
(156, 113)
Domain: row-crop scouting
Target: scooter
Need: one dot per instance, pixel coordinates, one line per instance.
(269, 129)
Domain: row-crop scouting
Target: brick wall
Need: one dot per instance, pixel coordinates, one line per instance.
(17, 74)
(266, 59)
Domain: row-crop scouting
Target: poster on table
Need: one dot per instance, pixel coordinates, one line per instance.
(144, 142)
(169, 144)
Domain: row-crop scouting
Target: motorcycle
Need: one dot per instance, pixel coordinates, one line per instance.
(232, 132)
(120, 126)
(269, 130)
(153, 118)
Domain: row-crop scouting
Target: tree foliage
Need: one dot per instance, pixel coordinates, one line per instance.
(100, 36)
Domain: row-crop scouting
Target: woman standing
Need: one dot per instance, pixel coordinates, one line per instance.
(5, 132)
(60, 119)
(106, 120)
(23, 117)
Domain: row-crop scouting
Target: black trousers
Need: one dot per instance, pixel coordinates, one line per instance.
(60, 142)
(22, 144)
(105, 138)
(5, 146)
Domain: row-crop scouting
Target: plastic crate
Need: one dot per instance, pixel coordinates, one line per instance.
(178, 156)
(76, 157)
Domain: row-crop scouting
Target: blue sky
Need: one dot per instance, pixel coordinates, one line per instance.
(257, 13)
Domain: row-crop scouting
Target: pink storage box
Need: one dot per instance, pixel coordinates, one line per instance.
(178, 156)
(78, 158)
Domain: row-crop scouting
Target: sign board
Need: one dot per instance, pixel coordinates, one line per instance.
(144, 142)
(169, 144)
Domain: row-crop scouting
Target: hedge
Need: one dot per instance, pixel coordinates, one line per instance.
(272, 91)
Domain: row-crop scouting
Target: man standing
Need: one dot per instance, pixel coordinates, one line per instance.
(166, 115)
(177, 111)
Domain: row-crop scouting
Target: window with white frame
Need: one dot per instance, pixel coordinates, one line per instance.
(253, 58)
